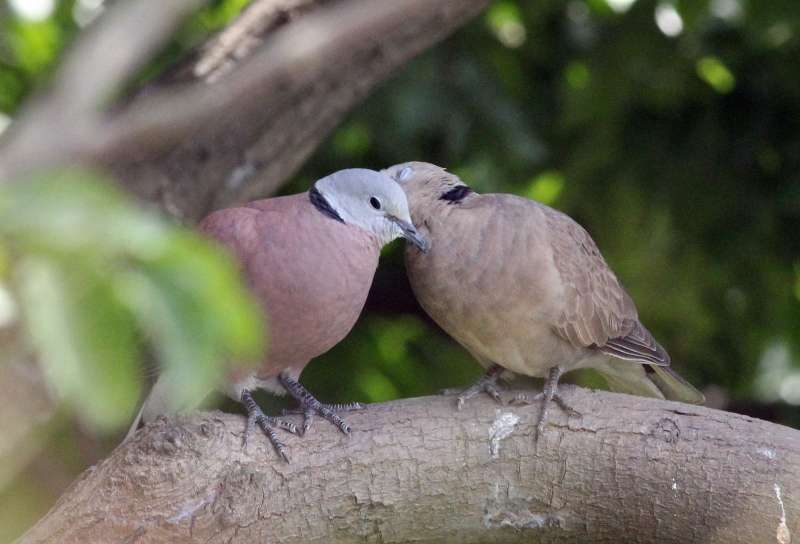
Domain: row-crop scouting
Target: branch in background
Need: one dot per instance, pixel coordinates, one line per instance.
(27, 405)
(242, 37)
(256, 125)
(630, 469)
(60, 125)
(195, 146)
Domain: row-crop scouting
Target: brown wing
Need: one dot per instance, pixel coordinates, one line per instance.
(598, 312)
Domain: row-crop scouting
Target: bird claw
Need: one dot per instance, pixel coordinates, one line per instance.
(257, 418)
(346, 407)
(485, 384)
(550, 393)
(521, 399)
(309, 406)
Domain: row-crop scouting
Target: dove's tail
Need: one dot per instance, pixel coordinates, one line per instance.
(649, 381)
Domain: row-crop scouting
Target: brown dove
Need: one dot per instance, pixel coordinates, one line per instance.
(309, 258)
(524, 288)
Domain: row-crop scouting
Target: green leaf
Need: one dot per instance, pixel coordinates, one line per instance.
(197, 315)
(716, 74)
(95, 271)
(74, 211)
(84, 336)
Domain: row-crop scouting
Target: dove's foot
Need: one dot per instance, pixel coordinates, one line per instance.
(309, 406)
(268, 424)
(485, 384)
(308, 413)
(548, 396)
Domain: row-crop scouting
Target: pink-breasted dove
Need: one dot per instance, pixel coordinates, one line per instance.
(524, 288)
(309, 259)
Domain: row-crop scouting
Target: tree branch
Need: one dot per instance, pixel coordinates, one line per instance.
(247, 115)
(61, 124)
(256, 124)
(629, 470)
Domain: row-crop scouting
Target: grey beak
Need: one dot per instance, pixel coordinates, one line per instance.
(410, 233)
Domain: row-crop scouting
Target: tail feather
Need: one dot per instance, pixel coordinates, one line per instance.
(673, 386)
(659, 382)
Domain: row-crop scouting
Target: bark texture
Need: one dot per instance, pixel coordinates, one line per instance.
(628, 470)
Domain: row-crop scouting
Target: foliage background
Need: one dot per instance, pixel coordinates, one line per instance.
(668, 129)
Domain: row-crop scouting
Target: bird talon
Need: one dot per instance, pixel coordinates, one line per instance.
(310, 406)
(256, 417)
(520, 399)
(485, 384)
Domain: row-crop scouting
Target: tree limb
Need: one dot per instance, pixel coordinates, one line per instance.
(259, 122)
(235, 132)
(61, 124)
(628, 470)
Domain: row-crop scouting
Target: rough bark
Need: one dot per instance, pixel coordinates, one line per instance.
(628, 470)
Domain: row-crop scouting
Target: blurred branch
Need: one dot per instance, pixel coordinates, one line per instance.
(254, 127)
(61, 124)
(194, 146)
(418, 470)
(27, 406)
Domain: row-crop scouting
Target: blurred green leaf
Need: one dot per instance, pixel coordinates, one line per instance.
(85, 338)
(716, 74)
(546, 187)
(505, 21)
(94, 270)
(577, 75)
(35, 44)
(352, 139)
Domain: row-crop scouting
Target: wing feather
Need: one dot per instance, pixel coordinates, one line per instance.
(598, 313)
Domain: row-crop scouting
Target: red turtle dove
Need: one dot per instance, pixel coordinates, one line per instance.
(309, 258)
(524, 288)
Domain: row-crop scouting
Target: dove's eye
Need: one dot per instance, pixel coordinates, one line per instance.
(375, 203)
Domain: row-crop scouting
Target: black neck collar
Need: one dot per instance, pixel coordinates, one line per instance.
(322, 205)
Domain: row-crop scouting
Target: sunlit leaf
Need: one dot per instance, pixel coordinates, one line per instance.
(505, 21)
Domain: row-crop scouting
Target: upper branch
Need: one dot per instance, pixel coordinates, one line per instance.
(628, 470)
(241, 117)
(63, 123)
(242, 135)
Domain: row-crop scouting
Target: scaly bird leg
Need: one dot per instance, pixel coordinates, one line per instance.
(550, 393)
(308, 413)
(485, 384)
(268, 424)
(310, 406)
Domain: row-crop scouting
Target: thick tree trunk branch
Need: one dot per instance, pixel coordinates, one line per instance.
(628, 470)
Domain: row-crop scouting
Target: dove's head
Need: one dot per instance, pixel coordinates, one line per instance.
(428, 187)
(369, 200)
